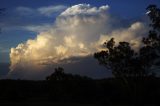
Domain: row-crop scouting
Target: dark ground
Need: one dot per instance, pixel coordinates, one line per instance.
(86, 92)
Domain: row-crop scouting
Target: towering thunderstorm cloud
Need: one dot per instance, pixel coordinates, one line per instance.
(79, 31)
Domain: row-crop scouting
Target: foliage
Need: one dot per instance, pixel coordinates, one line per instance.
(154, 15)
(150, 53)
(125, 62)
(59, 75)
(121, 59)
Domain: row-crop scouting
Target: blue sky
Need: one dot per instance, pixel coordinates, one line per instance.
(11, 35)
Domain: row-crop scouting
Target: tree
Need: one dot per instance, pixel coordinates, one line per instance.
(123, 61)
(154, 15)
(60, 75)
(150, 52)
(57, 75)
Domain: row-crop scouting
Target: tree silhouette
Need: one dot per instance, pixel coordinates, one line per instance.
(60, 75)
(154, 15)
(123, 61)
(135, 70)
(150, 52)
(57, 75)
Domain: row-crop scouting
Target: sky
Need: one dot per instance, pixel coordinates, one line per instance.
(38, 35)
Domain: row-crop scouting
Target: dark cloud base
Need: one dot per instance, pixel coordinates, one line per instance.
(87, 66)
(4, 69)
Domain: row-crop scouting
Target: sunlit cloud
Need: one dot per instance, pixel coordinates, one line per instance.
(132, 34)
(79, 31)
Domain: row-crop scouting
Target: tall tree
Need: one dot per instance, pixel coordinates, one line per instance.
(150, 52)
(57, 75)
(123, 61)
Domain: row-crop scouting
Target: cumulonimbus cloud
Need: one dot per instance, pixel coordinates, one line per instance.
(77, 32)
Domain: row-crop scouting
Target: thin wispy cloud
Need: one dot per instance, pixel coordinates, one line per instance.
(50, 10)
(47, 11)
(31, 19)
(37, 28)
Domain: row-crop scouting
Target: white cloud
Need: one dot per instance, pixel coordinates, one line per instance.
(77, 32)
(50, 10)
(84, 9)
(45, 11)
(132, 34)
(148, 12)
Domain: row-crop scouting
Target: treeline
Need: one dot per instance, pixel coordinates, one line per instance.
(104, 91)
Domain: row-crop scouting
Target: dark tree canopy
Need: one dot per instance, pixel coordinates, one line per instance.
(123, 61)
(150, 52)
(57, 75)
(154, 15)
(60, 75)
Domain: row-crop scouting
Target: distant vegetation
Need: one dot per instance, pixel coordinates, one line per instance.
(104, 91)
(59, 75)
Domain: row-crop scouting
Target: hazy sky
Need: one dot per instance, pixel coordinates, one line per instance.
(39, 33)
